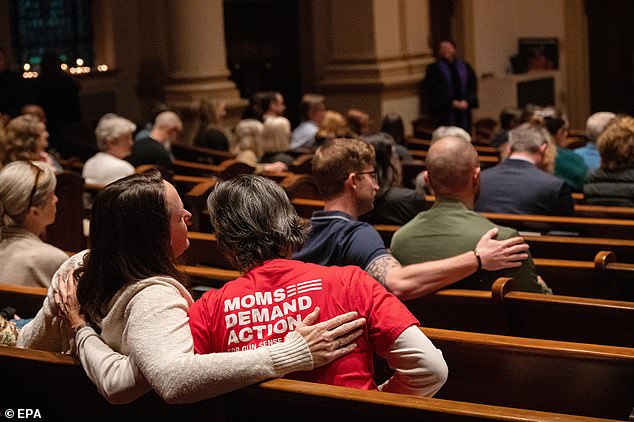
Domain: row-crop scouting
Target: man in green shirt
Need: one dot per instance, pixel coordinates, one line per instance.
(451, 226)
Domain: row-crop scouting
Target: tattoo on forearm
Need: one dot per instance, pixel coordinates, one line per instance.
(380, 267)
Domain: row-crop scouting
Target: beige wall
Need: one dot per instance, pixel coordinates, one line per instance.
(492, 35)
(497, 25)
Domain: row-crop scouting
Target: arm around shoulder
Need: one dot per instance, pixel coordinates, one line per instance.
(161, 344)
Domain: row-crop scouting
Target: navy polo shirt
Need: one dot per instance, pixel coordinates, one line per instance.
(338, 239)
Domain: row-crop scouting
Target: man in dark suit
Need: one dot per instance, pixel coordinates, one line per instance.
(450, 88)
(517, 185)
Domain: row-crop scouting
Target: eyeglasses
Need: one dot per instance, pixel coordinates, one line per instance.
(373, 174)
(38, 171)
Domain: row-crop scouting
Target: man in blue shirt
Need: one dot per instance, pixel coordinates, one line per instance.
(313, 109)
(595, 126)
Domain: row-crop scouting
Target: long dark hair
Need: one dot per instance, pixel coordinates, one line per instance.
(386, 171)
(129, 241)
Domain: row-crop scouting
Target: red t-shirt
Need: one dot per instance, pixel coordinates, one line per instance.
(261, 307)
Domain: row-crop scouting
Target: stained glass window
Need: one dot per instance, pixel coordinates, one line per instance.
(62, 27)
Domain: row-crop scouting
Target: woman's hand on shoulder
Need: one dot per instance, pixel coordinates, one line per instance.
(331, 339)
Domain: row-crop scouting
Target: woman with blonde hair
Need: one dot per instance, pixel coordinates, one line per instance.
(248, 147)
(27, 206)
(276, 138)
(333, 126)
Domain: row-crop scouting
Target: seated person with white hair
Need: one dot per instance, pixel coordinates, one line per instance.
(114, 139)
(455, 131)
(276, 137)
(595, 125)
(420, 185)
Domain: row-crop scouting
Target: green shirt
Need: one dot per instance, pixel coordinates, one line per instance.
(448, 229)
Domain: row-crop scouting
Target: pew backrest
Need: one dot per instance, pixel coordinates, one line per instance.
(67, 232)
(586, 227)
(64, 392)
(563, 377)
(567, 318)
(26, 300)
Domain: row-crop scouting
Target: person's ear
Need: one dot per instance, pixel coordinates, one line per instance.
(476, 176)
(351, 181)
(33, 212)
(426, 177)
(543, 147)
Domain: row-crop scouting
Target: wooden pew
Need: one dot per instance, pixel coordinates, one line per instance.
(199, 154)
(415, 144)
(302, 164)
(565, 318)
(563, 377)
(578, 198)
(590, 211)
(615, 278)
(504, 310)
(26, 300)
(225, 170)
(300, 186)
(545, 246)
(195, 200)
(486, 161)
(67, 232)
(578, 248)
(574, 278)
(208, 276)
(203, 250)
(306, 207)
(586, 227)
(63, 392)
(411, 169)
(604, 211)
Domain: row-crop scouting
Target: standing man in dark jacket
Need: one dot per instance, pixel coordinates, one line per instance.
(450, 88)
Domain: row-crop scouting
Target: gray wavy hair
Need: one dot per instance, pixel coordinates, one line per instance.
(111, 127)
(254, 221)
